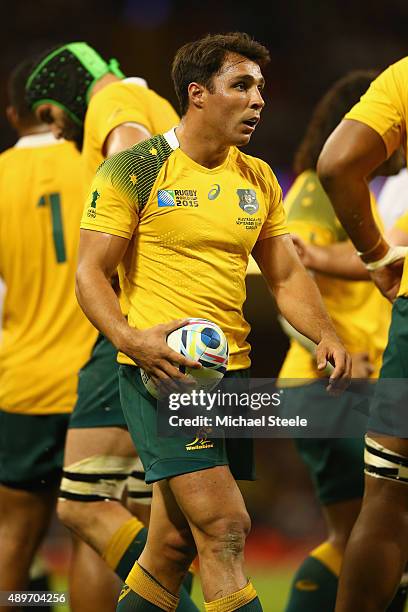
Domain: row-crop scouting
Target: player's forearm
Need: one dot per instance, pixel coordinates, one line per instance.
(101, 305)
(300, 302)
(350, 197)
(338, 260)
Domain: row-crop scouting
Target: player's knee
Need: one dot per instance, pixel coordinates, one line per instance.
(226, 535)
(71, 514)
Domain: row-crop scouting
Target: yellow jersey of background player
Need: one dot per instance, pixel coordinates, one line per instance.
(120, 103)
(46, 338)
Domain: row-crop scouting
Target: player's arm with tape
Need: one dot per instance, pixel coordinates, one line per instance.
(300, 302)
(351, 154)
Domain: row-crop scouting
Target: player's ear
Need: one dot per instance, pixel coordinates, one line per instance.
(196, 94)
(12, 116)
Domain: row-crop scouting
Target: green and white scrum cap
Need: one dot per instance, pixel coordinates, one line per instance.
(65, 77)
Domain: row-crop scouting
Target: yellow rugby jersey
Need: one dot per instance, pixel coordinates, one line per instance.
(402, 223)
(191, 230)
(121, 102)
(384, 108)
(46, 338)
(359, 312)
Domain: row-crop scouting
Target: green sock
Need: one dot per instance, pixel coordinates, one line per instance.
(400, 599)
(132, 602)
(186, 604)
(252, 606)
(131, 554)
(245, 599)
(129, 601)
(314, 587)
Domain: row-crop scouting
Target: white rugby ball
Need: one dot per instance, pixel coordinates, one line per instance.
(203, 341)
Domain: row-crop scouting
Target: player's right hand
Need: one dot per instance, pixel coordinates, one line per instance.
(361, 365)
(150, 351)
(388, 279)
(309, 254)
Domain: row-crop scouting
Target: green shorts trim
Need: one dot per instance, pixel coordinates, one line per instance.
(388, 408)
(395, 359)
(335, 464)
(167, 457)
(98, 403)
(32, 449)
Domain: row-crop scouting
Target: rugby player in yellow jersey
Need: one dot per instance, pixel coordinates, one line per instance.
(190, 260)
(103, 113)
(45, 338)
(377, 551)
(361, 316)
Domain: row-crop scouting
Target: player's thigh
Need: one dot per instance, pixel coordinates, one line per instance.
(105, 441)
(138, 493)
(97, 465)
(25, 515)
(211, 501)
(31, 453)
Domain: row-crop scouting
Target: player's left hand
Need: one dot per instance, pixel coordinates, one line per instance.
(331, 349)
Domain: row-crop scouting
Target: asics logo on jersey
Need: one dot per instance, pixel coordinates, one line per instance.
(214, 191)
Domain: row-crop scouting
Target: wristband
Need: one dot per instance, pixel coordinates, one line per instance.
(393, 254)
(377, 244)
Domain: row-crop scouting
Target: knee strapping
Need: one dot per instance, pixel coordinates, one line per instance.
(96, 478)
(381, 462)
(137, 489)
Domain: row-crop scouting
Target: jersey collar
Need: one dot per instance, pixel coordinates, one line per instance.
(36, 140)
(171, 138)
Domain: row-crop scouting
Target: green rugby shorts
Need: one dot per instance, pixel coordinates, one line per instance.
(98, 403)
(32, 449)
(167, 457)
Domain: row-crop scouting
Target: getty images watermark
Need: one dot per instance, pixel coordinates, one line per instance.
(219, 401)
(303, 408)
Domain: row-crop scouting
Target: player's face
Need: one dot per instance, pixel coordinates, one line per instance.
(61, 125)
(234, 108)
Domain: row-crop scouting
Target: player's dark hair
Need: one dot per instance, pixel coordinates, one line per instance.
(16, 90)
(328, 113)
(201, 60)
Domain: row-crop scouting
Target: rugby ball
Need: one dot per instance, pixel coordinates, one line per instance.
(203, 341)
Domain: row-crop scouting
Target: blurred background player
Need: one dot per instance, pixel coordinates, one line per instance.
(361, 316)
(45, 337)
(104, 113)
(377, 550)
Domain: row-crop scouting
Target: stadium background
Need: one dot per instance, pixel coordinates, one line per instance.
(312, 44)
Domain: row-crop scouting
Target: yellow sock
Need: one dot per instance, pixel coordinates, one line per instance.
(148, 588)
(120, 542)
(232, 602)
(327, 554)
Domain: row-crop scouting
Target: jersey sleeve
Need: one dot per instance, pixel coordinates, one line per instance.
(112, 206)
(383, 107)
(129, 103)
(275, 223)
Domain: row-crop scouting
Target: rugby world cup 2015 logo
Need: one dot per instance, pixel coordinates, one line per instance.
(248, 201)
